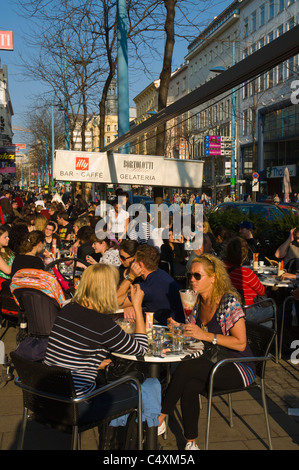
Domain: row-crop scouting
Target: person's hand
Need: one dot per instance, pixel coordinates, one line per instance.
(135, 269)
(129, 313)
(288, 276)
(193, 330)
(90, 260)
(137, 295)
(292, 234)
(104, 364)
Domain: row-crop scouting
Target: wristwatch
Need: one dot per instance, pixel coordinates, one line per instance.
(214, 341)
(128, 278)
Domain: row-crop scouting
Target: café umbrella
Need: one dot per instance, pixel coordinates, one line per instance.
(286, 185)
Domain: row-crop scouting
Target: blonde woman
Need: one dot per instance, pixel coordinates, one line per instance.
(220, 320)
(84, 334)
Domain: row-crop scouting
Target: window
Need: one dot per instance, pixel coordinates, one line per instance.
(280, 31)
(291, 23)
(280, 73)
(108, 139)
(245, 27)
(271, 9)
(261, 43)
(262, 82)
(270, 78)
(108, 128)
(245, 90)
(245, 122)
(184, 84)
(291, 64)
(262, 15)
(281, 5)
(270, 36)
(253, 21)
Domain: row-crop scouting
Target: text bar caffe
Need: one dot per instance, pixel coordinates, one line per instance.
(98, 167)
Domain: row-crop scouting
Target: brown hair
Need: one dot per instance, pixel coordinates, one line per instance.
(33, 239)
(149, 256)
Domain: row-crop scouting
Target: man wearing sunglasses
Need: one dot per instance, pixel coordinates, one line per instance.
(161, 291)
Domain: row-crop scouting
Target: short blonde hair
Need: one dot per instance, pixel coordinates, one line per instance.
(98, 288)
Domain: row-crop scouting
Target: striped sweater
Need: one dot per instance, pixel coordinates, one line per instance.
(245, 279)
(82, 338)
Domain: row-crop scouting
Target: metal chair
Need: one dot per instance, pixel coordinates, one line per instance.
(273, 318)
(260, 339)
(286, 301)
(49, 394)
(68, 273)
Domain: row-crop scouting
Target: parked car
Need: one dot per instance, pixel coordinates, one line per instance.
(260, 209)
(289, 207)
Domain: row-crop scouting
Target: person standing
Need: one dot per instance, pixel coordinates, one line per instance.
(118, 221)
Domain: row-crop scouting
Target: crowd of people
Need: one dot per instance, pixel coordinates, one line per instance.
(139, 265)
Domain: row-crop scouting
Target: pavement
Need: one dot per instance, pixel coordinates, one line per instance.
(248, 432)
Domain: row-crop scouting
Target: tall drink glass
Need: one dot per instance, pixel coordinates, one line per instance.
(188, 299)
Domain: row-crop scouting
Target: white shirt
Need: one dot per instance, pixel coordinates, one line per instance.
(117, 224)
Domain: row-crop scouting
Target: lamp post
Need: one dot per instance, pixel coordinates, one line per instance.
(66, 117)
(122, 72)
(221, 69)
(53, 140)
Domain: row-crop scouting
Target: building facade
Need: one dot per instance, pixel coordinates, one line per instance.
(259, 116)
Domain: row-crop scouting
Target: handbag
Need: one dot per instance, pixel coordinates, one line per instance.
(259, 298)
(215, 353)
(120, 367)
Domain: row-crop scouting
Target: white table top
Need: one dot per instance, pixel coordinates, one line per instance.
(272, 280)
(168, 357)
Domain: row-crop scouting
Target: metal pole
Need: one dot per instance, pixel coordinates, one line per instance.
(122, 73)
(66, 117)
(53, 140)
(233, 136)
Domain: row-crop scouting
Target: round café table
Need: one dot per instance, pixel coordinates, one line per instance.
(154, 366)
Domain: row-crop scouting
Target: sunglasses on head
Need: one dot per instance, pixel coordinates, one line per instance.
(197, 276)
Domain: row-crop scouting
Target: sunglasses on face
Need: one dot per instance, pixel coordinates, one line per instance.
(124, 258)
(197, 276)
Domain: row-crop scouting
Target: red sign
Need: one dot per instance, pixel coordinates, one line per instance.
(82, 163)
(6, 40)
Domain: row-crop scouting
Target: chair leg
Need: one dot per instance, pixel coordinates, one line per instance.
(75, 437)
(230, 407)
(23, 429)
(264, 400)
(208, 422)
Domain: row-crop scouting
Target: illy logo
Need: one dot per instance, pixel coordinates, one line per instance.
(82, 163)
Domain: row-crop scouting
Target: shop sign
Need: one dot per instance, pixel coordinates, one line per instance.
(278, 171)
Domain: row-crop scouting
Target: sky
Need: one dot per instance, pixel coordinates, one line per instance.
(23, 91)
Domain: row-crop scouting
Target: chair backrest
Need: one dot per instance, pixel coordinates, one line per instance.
(52, 380)
(40, 310)
(260, 339)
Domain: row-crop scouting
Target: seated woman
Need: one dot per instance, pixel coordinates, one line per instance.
(246, 281)
(6, 255)
(106, 247)
(173, 251)
(85, 247)
(30, 253)
(220, 320)
(84, 334)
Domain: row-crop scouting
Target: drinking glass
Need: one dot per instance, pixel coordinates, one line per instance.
(188, 299)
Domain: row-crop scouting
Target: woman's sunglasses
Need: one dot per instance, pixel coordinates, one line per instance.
(197, 276)
(124, 258)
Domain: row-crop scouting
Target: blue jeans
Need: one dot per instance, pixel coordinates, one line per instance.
(108, 404)
(258, 313)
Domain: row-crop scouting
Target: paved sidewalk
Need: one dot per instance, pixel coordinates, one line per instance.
(248, 433)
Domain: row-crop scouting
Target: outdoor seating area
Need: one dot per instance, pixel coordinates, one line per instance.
(59, 323)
